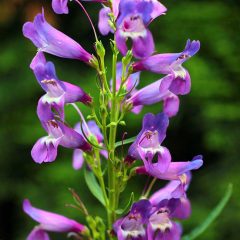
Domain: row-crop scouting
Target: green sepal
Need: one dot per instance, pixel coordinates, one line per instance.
(100, 49)
(122, 123)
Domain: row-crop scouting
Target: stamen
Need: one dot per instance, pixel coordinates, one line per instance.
(49, 81)
(183, 56)
(53, 123)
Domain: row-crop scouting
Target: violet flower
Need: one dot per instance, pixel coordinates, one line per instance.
(171, 63)
(58, 93)
(45, 149)
(48, 39)
(51, 222)
(175, 170)
(161, 226)
(152, 94)
(148, 142)
(91, 129)
(132, 226)
(132, 22)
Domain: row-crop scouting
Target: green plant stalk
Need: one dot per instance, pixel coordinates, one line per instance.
(112, 139)
(100, 177)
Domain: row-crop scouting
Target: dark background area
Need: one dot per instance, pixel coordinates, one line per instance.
(208, 121)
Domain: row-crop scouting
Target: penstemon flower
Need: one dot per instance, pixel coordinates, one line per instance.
(51, 222)
(58, 93)
(147, 216)
(45, 149)
(132, 22)
(153, 94)
(48, 39)
(132, 226)
(171, 63)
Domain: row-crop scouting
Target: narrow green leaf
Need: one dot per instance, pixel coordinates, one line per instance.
(94, 186)
(126, 141)
(211, 217)
(125, 209)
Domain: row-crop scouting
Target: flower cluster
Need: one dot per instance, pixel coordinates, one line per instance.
(154, 218)
(150, 218)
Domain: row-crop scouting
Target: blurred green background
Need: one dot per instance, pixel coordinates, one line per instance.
(208, 121)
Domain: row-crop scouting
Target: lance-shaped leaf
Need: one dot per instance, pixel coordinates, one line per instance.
(211, 217)
(94, 186)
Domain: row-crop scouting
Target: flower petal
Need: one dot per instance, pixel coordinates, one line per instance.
(45, 150)
(72, 139)
(158, 9)
(150, 94)
(78, 159)
(44, 111)
(143, 46)
(60, 6)
(181, 85)
(171, 104)
(174, 172)
(121, 42)
(164, 63)
(75, 94)
(38, 234)
(103, 21)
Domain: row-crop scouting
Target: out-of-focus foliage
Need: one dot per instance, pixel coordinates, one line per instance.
(208, 122)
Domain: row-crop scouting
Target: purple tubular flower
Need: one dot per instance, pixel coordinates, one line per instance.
(60, 6)
(175, 171)
(148, 142)
(152, 94)
(160, 224)
(49, 222)
(132, 226)
(133, 19)
(91, 129)
(48, 39)
(58, 93)
(45, 149)
(171, 63)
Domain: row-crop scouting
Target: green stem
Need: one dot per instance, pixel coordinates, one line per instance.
(100, 177)
(103, 75)
(112, 138)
